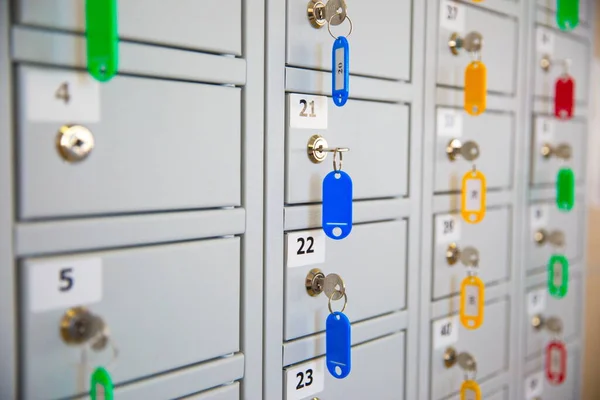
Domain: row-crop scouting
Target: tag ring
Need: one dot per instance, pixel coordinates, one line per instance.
(329, 26)
(337, 166)
(473, 372)
(345, 301)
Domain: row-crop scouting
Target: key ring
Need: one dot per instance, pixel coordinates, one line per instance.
(338, 166)
(474, 372)
(329, 26)
(345, 301)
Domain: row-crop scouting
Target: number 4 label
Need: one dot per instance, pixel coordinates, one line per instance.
(305, 248)
(64, 283)
(305, 380)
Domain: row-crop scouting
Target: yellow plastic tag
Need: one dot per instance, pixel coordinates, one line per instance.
(475, 88)
(473, 197)
(470, 391)
(472, 297)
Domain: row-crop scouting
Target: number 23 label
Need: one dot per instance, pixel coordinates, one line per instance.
(305, 380)
(305, 248)
(64, 283)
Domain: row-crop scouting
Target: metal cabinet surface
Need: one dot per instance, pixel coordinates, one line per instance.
(372, 263)
(568, 389)
(151, 152)
(493, 132)
(563, 47)
(490, 359)
(151, 334)
(189, 25)
(360, 126)
(551, 133)
(546, 219)
(490, 238)
(309, 47)
(498, 52)
(230, 392)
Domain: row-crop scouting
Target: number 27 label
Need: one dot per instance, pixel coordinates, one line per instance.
(305, 248)
(64, 283)
(305, 380)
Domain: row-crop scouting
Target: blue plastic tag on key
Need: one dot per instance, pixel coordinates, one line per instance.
(338, 345)
(340, 71)
(337, 205)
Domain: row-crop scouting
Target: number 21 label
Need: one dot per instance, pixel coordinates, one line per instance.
(64, 283)
(305, 380)
(305, 248)
(307, 112)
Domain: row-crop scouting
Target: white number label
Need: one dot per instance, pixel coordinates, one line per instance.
(305, 380)
(449, 122)
(63, 284)
(544, 130)
(305, 248)
(60, 96)
(452, 16)
(536, 302)
(308, 112)
(534, 385)
(445, 332)
(545, 41)
(447, 228)
(539, 216)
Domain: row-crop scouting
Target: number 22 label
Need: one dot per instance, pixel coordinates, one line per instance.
(305, 248)
(305, 380)
(64, 283)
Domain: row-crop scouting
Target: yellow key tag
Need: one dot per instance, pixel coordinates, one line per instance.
(473, 196)
(470, 391)
(472, 297)
(475, 88)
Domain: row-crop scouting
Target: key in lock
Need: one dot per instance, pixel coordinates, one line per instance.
(473, 42)
(468, 150)
(78, 326)
(333, 285)
(469, 256)
(466, 362)
(320, 13)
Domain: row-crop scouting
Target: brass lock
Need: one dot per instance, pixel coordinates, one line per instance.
(546, 63)
(555, 238)
(562, 151)
(317, 149)
(78, 326)
(320, 13)
(552, 324)
(468, 150)
(471, 43)
(464, 360)
(74, 142)
(469, 256)
(316, 283)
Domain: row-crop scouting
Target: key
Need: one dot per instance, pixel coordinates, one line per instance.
(473, 42)
(466, 362)
(554, 325)
(335, 11)
(469, 256)
(469, 150)
(334, 286)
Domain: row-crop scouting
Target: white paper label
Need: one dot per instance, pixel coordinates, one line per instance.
(64, 284)
(341, 67)
(539, 216)
(452, 16)
(544, 130)
(305, 380)
(472, 303)
(473, 188)
(447, 228)
(534, 385)
(449, 122)
(305, 248)
(53, 95)
(536, 302)
(308, 112)
(545, 41)
(445, 332)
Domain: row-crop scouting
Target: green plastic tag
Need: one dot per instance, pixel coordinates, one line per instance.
(567, 14)
(558, 276)
(101, 387)
(102, 38)
(565, 189)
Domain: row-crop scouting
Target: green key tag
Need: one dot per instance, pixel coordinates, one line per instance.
(558, 276)
(565, 189)
(101, 387)
(102, 38)
(567, 14)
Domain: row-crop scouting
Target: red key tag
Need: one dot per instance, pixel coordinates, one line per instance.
(564, 97)
(556, 362)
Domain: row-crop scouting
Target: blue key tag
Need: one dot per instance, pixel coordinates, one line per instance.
(337, 204)
(340, 71)
(338, 345)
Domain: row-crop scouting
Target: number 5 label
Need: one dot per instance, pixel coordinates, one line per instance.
(305, 380)
(305, 248)
(64, 283)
